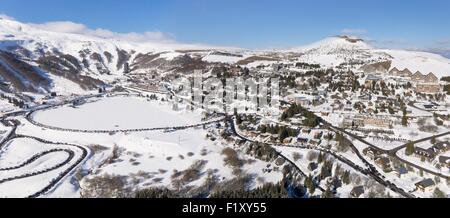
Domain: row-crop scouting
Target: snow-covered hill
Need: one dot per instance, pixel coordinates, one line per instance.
(338, 50)
(87, 61)
(36, 60)
(420, 61)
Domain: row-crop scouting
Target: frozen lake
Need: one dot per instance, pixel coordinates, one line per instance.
(117, 113)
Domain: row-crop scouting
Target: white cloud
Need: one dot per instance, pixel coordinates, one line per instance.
(6, 17)
(77, 28)
(354, 31)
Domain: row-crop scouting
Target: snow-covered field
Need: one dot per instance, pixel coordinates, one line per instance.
(5, 106)
(17, 151)
(117, 113)
(145, 159)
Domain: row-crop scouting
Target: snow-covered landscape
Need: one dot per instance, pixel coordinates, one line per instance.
(89, 117)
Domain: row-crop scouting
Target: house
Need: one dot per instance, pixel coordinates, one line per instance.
(404, 73)
(431, 152)
(428, 88)
(417, 77)
(441, 147)
(384, 163)
(318, 135)
(394, 72)
(333, 182)
(312, 166)
(360, 121)
(302, 140)
(372, 153)
(325, 114)
(425, 185)
(400, 171)
(287, 140)
(428, 84)
(444, 161)
(426, 153)
(430, 78)
(357, 191)
(306, 131)
(314, 142)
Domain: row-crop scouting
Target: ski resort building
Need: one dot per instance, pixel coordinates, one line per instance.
(425, 185)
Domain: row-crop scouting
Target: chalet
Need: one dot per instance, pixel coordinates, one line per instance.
(394, 72)
(384, 163)
(325, 114)
(357, 191)
(318, 135)
(400, 171)
(431, 152)
(417, 77)
(314, 142)
(428, 88)
(302, 140)
(372, 153)
(425, 185)
(444, 161)
(287, 140)
(441, 147)
(430, 78)
(405, 73)
(426, 153)
(312, 166)
(428, 84)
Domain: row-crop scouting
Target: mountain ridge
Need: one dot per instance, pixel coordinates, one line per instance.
(31, 58)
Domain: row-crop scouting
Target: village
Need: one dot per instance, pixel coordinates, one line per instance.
(396, 121)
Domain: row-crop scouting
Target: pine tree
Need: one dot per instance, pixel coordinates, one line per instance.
(404, 118)
(410, 149)
(346, 177)
(438, 193)
(327, 193)
(320, 158)
(433, 140)
(309, 183)
(238, 119)
(283, 134)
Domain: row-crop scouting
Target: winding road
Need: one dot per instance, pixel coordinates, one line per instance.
(8, 120)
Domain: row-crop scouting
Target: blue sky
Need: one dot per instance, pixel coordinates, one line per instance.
(254, 23)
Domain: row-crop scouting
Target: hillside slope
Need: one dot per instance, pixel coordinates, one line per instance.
(35, 60)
